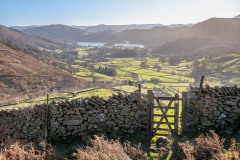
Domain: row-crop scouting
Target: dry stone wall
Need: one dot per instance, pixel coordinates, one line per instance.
(76, 118)
(217, 108)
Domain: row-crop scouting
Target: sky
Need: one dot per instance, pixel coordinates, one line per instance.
(94, 12)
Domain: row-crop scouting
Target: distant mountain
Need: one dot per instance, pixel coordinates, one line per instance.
(56, 32)
(219, 32)
(155, 36)
(114, 28)
(119, 28)
(210, 37)
(23, 27)
(180, 25)
(237, 17)
(101, 33)
(79, 27)
(226, 29)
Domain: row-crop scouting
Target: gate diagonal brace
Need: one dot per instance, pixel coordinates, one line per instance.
(164, 113)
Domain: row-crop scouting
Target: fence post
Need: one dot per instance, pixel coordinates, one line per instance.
(140, 93)
(150, 113)
(46, 119)
(176, 114)
(200, 87)
(184, 110)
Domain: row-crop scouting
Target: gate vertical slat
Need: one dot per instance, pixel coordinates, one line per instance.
(176, 114)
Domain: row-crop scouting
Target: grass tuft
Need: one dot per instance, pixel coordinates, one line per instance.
(209, 147)
(101, 148)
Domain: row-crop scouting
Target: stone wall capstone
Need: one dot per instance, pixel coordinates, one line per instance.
(76, 118)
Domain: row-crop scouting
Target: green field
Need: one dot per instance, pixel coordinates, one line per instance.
(82, 52)
(172, 78)
(180, 73)
(101, 92)
(126, 66)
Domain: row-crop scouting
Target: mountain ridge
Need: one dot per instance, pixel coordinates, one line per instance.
(104, 27)
(225, 30)
(56, 31)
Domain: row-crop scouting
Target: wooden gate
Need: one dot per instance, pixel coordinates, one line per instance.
(163, 115)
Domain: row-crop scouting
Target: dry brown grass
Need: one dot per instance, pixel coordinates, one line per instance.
(209, 147)
(104, 149)
(233, 152)
(134, 152)
(18, 151)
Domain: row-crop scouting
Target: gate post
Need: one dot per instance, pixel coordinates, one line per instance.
(140, 93)
(176, 114)
(46, 119)
(184, 111)
(150, 113)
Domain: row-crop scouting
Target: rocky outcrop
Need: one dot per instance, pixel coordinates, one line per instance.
(76, 118)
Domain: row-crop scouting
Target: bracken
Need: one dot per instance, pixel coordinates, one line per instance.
(209, 147)
(103, 149)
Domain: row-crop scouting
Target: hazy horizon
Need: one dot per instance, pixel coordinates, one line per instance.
(103, 24)
(113, 12)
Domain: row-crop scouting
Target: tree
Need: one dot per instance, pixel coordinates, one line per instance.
(162, 59)
(198, 69)
(107, 71)
(174, 60)
(144, 64)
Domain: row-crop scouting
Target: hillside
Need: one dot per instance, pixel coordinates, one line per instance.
(26, 72)
(23, 75)
(197, 46)
(32, 42)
